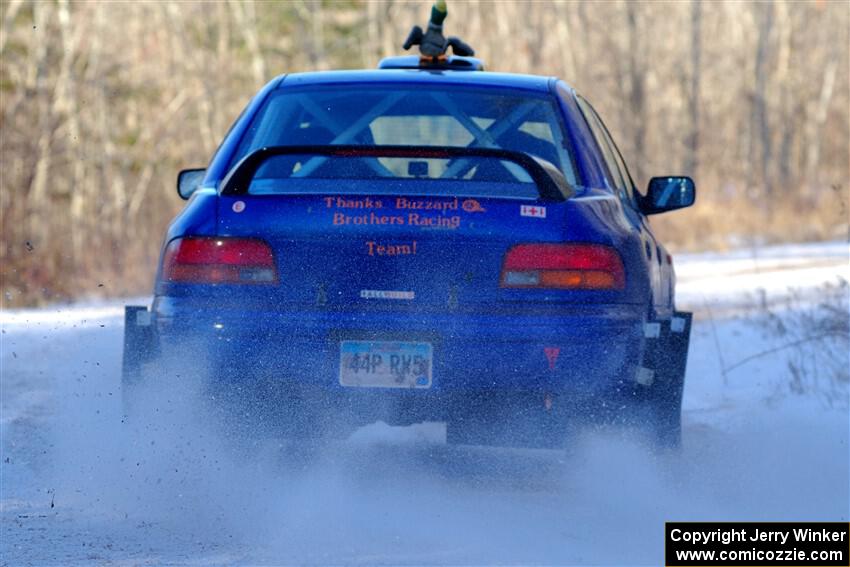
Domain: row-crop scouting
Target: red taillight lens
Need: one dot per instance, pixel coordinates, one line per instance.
(219, 260)
(563, 266)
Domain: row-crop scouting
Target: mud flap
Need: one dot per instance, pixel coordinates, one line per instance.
(665, 362)
(139, 343)
(669, 355)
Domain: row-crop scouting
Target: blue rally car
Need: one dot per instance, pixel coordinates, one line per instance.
(426, 241)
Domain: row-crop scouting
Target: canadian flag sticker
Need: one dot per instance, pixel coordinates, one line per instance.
(532, 211)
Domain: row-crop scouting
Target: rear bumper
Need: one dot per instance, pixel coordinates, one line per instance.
(591, 350)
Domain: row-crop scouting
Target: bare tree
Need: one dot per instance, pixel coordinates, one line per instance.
(101, 104)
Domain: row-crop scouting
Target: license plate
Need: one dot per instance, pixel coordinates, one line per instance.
(385, 364)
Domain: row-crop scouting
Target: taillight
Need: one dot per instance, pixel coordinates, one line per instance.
(218, 260)
(563, 266)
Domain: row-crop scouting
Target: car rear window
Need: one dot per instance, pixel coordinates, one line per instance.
(414, 115)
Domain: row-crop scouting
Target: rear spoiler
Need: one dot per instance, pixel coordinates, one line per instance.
(551, 183)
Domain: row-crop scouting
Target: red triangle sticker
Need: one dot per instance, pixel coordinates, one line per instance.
(552, 355)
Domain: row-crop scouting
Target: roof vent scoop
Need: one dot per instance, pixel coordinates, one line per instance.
(432, 44)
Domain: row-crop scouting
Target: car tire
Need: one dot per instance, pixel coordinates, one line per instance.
(250, 417)
(131, 380)
(467, 431)
(531, 427)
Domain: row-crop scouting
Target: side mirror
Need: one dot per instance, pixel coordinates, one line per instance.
(668, 194)
(188, 181)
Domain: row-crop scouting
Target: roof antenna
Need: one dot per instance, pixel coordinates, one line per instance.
(432, 44)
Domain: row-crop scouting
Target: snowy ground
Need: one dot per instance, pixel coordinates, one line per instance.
(77, 487)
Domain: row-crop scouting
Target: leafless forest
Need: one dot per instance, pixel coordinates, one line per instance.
(103, 102)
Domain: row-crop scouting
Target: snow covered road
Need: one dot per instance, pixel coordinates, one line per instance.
(78, 487)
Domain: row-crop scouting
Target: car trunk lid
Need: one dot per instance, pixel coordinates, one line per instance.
(389, 251)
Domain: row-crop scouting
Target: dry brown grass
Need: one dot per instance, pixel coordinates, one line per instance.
(715, 223)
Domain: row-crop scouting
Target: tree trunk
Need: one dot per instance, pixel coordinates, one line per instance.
(692, 161)
(637, 94)
(760, 105)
